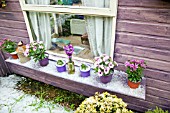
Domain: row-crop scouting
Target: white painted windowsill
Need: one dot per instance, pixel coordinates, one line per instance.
(118, 83)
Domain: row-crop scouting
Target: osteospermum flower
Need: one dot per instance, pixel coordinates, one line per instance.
(105, 58)
(100, 73)
(127, 63)
(111, 65)
(35, 48)
(106, 70)
(26, 53)
(27, 46)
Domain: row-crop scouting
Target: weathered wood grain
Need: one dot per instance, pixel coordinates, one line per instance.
(12, 24)
(156, 29)
(17, 16)
(160, 43)
(144, 14)
(158, 100)
(151, 64)
(158, 84)
(143, 52)
(146, 3)
(12, 6)
(4, 67)
(14, 32)
(15, 38)
(158, 92)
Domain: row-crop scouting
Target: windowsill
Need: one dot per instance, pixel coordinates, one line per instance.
(118, 83)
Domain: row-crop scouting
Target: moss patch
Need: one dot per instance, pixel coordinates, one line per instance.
(50, 93)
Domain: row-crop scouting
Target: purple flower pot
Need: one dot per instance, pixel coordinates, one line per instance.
(61, 68)
(44, 62)
(85, 73)
(106, 79)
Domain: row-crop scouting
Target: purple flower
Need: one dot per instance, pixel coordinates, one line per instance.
(143, 65)
(142, 61)
(131, 65)
(127, 63)
(135, 67)
(69, 50)
(35, 48)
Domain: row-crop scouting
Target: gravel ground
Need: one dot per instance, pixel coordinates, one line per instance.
(14, 101)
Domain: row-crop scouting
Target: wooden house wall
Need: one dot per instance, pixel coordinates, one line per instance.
(143, 32)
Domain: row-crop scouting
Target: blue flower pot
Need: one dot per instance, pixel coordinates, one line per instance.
(61, 68)
(85, 73)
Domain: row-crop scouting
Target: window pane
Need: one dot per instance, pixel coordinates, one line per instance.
(90, 36)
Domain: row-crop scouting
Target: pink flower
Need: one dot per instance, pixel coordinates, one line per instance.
(106, 70)
(100, 73)
(105, 58)
(131, 65)
(96, 58)
(135, 67)
(27, 46)
(127, 63)
(99, 61)
(96, 64)
(141, 61)
(35, 48)
(26, 53)
(111, 65)
(27, 50)
(143, 65)
(1, 43)
(41, 47)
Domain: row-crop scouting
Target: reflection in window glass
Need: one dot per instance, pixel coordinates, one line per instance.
(70, 29)
(90, 36)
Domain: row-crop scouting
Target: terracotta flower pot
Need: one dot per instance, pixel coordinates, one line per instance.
(106, 79)
(44, 62)
(133, 85)
(14, 55)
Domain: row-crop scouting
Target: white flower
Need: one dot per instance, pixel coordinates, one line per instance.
(100, 73)
(99, 60)
(41, 47)
(107, 62)
(26, 53)
(105, 58)
(106, 70)
(101, 66)
(96, 64)
(111, 65)
(40, 42)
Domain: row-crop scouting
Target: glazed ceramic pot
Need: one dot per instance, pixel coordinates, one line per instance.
(22, 58)
(106, 79)
(44, 62)
(133, 85)
(61, 68)
(85, 73)
(14, 55)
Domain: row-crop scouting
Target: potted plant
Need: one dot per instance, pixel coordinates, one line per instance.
(85, 70)
(20, 52)
(10, 47)
(135, 72)
(61, 66)
(69, 51)
(104, 67)
(36, 50)
(103, 103)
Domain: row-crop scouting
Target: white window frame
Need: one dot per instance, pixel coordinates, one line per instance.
(82, 10)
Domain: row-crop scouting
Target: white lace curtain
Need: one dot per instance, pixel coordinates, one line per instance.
(40, 23)
(99, 29)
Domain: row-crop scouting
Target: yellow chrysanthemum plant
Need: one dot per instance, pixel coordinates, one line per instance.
(103, 103)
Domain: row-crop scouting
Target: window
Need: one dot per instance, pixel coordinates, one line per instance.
(87, 24)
